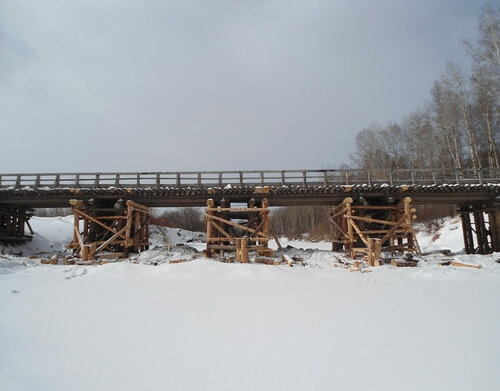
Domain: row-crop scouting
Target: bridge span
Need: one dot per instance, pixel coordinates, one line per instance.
(281, 187)
(475, 193)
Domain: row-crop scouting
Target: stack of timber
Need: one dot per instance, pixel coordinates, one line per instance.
(237, 229)
(120, 228)
(12, 225)
(369, 229)
(481, 227)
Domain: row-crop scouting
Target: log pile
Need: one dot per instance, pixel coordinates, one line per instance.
(120, 229)
(237, 230)
(360, 228)
(13, 222)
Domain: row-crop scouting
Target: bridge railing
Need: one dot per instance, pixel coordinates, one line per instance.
(392, 177)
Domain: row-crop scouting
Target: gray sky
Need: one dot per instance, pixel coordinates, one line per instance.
(104, 85)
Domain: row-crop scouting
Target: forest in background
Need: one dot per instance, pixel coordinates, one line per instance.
(459, 127)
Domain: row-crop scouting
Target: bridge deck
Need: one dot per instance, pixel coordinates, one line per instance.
(285, 187)
(278, 196)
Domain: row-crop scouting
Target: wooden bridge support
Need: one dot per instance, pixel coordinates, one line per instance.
(13, 222)
(237, 229)
(120, 228)
(370, 229)
(481, 227)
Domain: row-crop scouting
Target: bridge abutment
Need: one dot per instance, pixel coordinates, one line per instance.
(13, 224)
(481, 227)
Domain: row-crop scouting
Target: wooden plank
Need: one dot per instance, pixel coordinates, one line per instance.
(236, 209)
(223, 232)
(342, 211)
(370, 220)
(358, 231)
(111, 239)
(229, 222)
(339, 228)
(393, 229)
(460, 264)
(373, 207)
(78, 237)
(87, 216)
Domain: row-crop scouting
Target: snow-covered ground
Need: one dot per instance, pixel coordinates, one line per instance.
(206, 325)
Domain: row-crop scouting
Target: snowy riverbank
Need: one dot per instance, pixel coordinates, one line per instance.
(214, 326)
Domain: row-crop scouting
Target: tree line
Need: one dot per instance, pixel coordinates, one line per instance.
(459, 127)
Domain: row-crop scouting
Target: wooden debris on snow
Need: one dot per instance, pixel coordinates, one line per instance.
(177, 261)
(460, 264)
(51, 261)
(403, 263)
(267, 261)
(285, 258)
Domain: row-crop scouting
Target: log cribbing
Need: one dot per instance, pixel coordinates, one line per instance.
(250, 233)
(361, 228)
(126, 231)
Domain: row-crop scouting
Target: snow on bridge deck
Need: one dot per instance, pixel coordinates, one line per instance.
(281, 187)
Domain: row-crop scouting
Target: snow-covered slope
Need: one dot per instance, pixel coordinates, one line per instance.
(449, 236)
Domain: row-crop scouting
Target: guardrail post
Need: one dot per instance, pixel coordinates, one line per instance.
(283, 178)
(37, 181)
(241, 179)
(412, 177)
(369, 178)
(77, 180)
(138, 180)
(220, 179)
(326, 177)
(96, 181)
(304, 178)
(158, 180)
(457, 177)
(262, 178)
(117, 180)
(391, 179)
(199, 179)
(480, 175)
(178, 180)
(0, 181)
(18, 181)
(434, 179)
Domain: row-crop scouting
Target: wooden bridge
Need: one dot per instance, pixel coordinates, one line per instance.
(474, 192)
(281, 187)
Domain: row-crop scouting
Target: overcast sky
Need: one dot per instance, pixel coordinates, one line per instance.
(101, 85)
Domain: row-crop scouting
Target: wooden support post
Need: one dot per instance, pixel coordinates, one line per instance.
(209, 212)
(374, 251)
(408, 218)
(242, 250)
(494, 226)
(350, 232)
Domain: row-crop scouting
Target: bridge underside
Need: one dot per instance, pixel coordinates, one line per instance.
(277, 196)
(484, 223)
